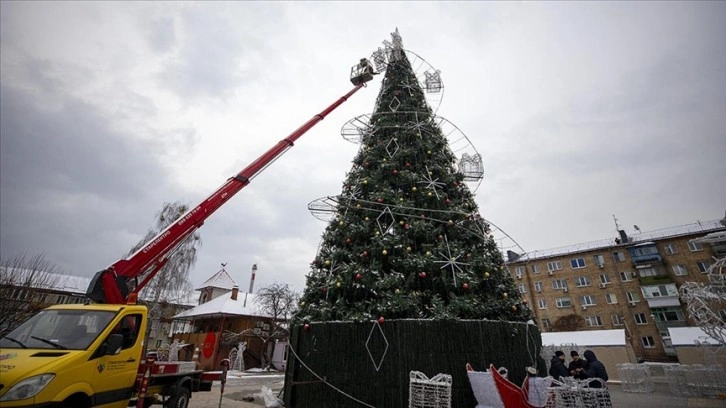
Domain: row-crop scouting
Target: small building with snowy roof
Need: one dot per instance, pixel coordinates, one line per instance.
(694, 346)
(224, 318)
(610, 347)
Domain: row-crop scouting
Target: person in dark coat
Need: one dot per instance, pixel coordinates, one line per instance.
(557, 366)
(595, 368)
(577, 366)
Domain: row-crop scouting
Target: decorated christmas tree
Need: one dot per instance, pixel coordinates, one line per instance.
(407, 251)
(407, 240)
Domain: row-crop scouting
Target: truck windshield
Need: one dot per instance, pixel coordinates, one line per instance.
(59, 329)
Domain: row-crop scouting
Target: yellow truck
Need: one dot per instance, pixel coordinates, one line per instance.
(89, 355)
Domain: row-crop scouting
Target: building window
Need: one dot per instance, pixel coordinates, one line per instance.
(559, 284)
(535, 268)
(640, 318)
(538, 286)
(659, 291)
(722, 314)
(563, 302)
(522, 288)
(593, 321)
(695, 246)
(617, 320)
(61, 299)
(587, 300)
(633, 297)
(619, 256)
(647, 341)
(546, 324)
(581, 281)
(605, 279)
(519, 271)
(703, 266)
(680, 270)
(626, 276)
(611, 298)
(542, 303)
(668, 315)
(577, 263)
(670, 249)
(599, 260)
(554, 266)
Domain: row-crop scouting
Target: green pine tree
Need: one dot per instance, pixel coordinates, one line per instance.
(407, 240)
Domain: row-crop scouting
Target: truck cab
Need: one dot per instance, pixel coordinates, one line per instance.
(73, 356)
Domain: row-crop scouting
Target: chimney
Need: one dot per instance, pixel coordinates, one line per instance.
(512, 256)
(235, 291)
(623, 237)
(252, 279)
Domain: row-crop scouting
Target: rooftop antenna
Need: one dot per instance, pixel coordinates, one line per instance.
(617, 226)
(252, 283)
(637, 228)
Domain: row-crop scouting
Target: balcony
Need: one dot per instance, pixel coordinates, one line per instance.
(644, 253)
(663, 326)
(655, 280)
(661, 294)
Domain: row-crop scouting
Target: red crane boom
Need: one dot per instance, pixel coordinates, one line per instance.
(111, 284)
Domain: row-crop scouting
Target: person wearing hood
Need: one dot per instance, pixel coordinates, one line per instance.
(595, 369)
(557, 366)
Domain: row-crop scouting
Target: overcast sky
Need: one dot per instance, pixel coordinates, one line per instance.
(581, 111)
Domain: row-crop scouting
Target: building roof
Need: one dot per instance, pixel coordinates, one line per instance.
(225, 306)
(47, 281)
(643, 237)
(585, 338)
(687, 336)
(220, 280)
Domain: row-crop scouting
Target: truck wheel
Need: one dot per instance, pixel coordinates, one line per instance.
(180, 399)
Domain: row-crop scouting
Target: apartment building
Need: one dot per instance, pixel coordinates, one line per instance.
(627, 282)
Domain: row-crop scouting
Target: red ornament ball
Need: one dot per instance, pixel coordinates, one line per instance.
(395, 172)
(465, 286)
(348, 240)
(306, 327)
(406, 226)
(364, 254)
(380, 200)
(381, 320)
(440, 237)
(358, 276)
(408, 164)
(422, 275)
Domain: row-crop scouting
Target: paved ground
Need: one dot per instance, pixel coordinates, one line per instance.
(237, 389)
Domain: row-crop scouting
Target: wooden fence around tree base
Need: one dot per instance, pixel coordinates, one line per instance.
(333, 364)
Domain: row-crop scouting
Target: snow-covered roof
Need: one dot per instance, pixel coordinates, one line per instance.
(585, 338)
(220, 280)
(48, 281)
(225, 305)
(643, 237)
(687, 336)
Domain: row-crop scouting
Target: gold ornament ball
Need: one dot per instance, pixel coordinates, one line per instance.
(357, 205)
(341, 223)
(366, 218)
(408, 249)
(514, 308)
(378, 233)
(401, 222)
(398, 290)
(337, 284)
(451, 222)
(302, 303)
(400, 199)
(486, 274)
(327, 262)
(430, 194)
(428, 253)
(414, 189)
(504, 295)
(428, 152)
(365, 181)
(384, 252)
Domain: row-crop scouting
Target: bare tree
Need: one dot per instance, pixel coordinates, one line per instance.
(24, 279)
(171, 284)
(278, 302)
(570, 322)
(170, 287)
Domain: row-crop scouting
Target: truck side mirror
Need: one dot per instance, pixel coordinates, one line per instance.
(114, 343)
